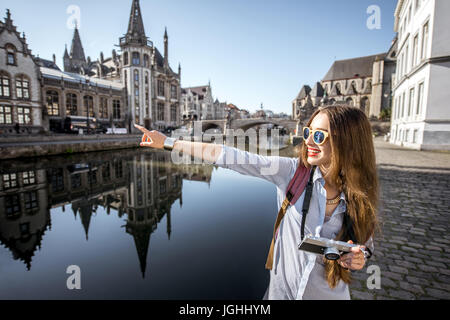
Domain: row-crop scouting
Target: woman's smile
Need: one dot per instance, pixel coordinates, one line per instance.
(313, 152)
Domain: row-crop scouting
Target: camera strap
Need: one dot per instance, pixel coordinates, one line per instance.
(294, 190)
(306, 202)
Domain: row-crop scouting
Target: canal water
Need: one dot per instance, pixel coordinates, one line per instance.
(137, 225)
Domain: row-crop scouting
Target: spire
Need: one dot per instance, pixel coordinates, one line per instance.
(8, 20)
(85, 216)
(169, 224)
(136, 32)
(66, 53)
(77, 51)
(166, 49)
(141, 236)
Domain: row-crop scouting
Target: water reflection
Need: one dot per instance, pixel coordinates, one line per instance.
(139, 186)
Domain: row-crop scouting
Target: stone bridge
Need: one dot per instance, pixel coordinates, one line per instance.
(246, 124)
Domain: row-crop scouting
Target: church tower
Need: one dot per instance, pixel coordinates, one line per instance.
(76, 61)
(136, 70)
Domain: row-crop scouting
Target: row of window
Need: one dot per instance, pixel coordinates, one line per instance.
(13, 205)
(407, 17)
(405, 135)
(136, 59)
(173, 90)
(14, 180)
(408, 60)
(160, 112)
(159, 87)
(22, 115)
(88, 107)
(408, 99)
(351, 90)
(22, 86)
(57, 176)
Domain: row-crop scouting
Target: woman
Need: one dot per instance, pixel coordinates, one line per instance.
(337, 141)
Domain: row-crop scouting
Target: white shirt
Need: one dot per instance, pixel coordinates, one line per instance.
(295, 274)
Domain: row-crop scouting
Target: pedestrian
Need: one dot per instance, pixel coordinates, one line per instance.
(338, 142)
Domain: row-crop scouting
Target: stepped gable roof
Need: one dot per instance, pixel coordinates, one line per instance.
(351, 68)
(8, 25)
(200, 91)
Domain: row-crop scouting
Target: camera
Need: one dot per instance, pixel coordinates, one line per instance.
(331, 249)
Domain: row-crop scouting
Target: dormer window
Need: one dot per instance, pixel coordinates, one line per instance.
(11, 55)
(11, 58)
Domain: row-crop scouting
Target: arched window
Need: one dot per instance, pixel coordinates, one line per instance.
(5, 85)
(365, 105)
(52, 103)
(349, 101)
(71, 104)
(88, 104)
(22, 88)
(146, 77)
(368, 87)
(353, 87)
(338, 89)
(146, 61)
(125, 58)
(136, 77)
(103, 108)
(136, 59)
(11, 54)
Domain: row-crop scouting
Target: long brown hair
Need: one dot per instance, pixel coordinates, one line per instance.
(353, 171)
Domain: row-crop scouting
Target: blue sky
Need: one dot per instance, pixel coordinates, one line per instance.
(252, 51)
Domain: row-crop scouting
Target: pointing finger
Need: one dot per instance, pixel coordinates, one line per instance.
(145, 131)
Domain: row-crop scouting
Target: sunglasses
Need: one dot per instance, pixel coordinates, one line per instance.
(319, 136)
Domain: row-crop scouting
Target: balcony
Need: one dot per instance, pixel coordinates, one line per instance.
(132, 40)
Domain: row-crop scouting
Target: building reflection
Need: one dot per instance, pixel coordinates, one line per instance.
(139, 186)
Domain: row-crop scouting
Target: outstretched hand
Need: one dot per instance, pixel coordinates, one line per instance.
(152, 139)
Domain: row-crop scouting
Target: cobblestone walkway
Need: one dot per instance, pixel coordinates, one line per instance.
(413, 247)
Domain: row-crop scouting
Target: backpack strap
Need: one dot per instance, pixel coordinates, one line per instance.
(306, 201)
(295, 189)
